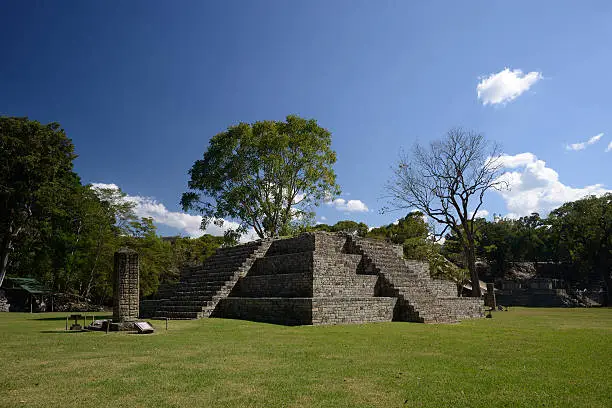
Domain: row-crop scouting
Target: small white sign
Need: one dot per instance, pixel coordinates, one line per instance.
(144, 327)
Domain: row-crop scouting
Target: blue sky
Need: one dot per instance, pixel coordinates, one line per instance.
(141, 87)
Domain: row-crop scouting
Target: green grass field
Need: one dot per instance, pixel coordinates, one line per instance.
(520, 358)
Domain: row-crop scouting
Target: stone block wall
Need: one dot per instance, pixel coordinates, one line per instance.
(329, 243)
(126, 286)
(294, 262)
(443, 288)
(4, 303)
(148, 307)
(275, 285)
(352, 310)
(315, 278)
(420, 298)
(287, 311)
(464, 307)
(280, 275)
(301, 243)
(337, 275)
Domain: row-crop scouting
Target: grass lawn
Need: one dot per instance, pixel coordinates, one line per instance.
(521, 358)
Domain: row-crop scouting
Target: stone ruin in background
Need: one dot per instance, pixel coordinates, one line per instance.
(314, 278)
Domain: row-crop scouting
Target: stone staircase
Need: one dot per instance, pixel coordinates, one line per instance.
(420, 298)
(201, 287)
(314, 278)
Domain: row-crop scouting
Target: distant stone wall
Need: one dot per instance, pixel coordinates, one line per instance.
(539, 292)
(4, 304)
(489, 296)
(534, 297)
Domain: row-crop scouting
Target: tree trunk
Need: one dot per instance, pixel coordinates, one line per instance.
(471, 263)
(606, 272)
(4, 255)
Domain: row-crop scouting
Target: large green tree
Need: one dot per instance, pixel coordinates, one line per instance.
(263, 174)
(35, 172)
(582, 230)
(411, 232)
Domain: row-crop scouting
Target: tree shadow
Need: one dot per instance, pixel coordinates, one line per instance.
(88, 317)
(64, 331)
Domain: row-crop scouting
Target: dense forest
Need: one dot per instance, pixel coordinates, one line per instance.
(64, 233)
(54, 228)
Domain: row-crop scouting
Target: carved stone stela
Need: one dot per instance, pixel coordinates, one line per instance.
(126, 289)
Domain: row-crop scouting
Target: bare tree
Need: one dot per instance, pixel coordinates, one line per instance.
(447, 181)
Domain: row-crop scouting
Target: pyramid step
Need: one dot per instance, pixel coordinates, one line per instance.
(177, 315)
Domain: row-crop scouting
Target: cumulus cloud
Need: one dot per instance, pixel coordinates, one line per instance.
(534, 187)
(609, 148)
(505, 86)
(482, 213)
(183, 222)
(341, 204)
(583, 145)
(104, 186)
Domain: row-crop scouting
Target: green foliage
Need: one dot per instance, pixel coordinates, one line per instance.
(447, 181)
(347, 226)
(350, 227)
(442, 268)
(35, 172)
(583, 232)
(191, 251)
(411, 231)
(264, 174)
(578, 234)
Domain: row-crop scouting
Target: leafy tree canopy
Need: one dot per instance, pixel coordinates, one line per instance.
(263, 174)
(583, 231)
(35, 171)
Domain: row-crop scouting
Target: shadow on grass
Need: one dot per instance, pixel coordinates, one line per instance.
(68, 314)
(65, 331)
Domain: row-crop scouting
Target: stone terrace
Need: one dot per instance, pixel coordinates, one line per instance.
(315, 278)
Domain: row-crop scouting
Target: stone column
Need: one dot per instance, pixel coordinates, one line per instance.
(489, 297)
(126, 289)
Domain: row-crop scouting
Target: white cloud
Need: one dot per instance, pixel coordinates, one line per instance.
(482, 213)
(323, 218)
(104, 186)
(505, 85)
(183, 222)
(341, 204)
(583, 145)
(595, 138)
(536, 188)
(609, 148)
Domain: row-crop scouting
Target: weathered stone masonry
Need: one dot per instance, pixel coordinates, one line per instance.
(315, 278)
(126, 290)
